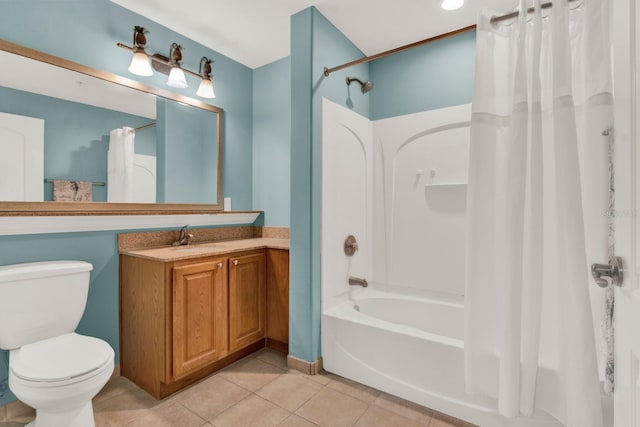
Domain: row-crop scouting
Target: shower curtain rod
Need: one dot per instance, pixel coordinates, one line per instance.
(512, 15)
(142, 127)
(494, 20)
(328, 71)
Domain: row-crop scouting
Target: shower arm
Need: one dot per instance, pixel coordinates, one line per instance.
(351, 79)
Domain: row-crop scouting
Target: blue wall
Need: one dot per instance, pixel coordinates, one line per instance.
(186, 154)
(86, 31)
(272, 141)
(315, 43)
(436, 75)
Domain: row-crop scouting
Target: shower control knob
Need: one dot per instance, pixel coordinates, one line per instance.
(350, 246)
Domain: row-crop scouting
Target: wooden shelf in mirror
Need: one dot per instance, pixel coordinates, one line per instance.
(51, 208)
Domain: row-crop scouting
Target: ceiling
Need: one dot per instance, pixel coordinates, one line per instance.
(256, 32)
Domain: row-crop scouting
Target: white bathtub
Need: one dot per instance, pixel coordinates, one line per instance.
(412, 348)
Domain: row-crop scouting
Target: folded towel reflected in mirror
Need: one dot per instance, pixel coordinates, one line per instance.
(72, 191)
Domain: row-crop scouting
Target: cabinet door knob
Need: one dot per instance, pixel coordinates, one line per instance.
(235, 262)
(219, 265)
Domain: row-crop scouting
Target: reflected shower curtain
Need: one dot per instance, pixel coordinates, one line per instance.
(542, 98)
(120, 165)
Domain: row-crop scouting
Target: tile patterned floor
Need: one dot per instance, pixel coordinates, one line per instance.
(255, 391)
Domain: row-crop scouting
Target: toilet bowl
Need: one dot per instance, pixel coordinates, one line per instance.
(51, 368)
(59, 377)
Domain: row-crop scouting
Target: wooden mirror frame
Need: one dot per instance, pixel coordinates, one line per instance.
(49, 208)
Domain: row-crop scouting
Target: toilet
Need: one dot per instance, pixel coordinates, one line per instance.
(51, 368)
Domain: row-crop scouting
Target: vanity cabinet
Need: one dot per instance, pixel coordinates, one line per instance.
(182, 320)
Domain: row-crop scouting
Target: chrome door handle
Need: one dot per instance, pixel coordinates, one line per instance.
(613, 270)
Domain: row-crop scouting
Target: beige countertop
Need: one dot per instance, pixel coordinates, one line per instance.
(175, 253)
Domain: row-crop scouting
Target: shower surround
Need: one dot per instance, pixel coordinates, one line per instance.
(399, 186)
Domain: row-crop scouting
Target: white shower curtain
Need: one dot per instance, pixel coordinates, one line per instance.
(542, 98)
(120, 165)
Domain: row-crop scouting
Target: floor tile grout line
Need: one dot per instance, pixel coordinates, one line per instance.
(431, 411)
(279, 406)
(361, 415)
(192, 412)
(347, 394)
(238, 402)
(273, 364)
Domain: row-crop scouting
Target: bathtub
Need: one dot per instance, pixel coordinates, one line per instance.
(410, 347)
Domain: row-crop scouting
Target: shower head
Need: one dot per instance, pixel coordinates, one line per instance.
(364, 86)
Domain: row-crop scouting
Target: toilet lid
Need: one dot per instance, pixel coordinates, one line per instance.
(60, 358)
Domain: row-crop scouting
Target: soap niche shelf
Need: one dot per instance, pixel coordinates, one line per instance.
(431, 179)
(447, 185)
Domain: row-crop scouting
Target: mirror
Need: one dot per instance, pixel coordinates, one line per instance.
(177, 141)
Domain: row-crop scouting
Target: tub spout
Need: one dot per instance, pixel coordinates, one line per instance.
(358, 281)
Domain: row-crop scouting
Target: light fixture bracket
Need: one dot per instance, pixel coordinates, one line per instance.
(160, 63)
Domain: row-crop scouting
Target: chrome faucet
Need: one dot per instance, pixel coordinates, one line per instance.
(184, 237)
(358, 281)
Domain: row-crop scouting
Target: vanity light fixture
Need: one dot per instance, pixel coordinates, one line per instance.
(140, 63)
(143, 64)
(451, 4)
(205, 90)
(176, 75)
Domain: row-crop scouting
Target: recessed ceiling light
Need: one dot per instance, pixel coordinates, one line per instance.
(451, 4)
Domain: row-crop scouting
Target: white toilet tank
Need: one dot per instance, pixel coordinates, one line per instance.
(41, 300)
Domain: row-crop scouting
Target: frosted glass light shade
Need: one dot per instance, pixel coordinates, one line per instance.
(451, 4)
(205, 90)
(177, 78)
(140, 64)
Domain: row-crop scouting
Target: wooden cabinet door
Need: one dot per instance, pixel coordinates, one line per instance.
(199, 315)
(247, 300)
(278, 298)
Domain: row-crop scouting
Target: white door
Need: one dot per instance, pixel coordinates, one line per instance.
(21, 158)
(627, 219)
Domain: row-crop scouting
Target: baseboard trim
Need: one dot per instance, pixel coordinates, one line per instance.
(309, 368)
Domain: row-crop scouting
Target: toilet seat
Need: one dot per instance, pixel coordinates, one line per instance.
(61, 359)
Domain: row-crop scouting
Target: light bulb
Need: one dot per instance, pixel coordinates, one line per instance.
(140, 64)
(177, 78)
(451, 4)
(205, 90)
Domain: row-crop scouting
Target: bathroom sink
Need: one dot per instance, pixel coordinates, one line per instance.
(198, 247)
(189, 248)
